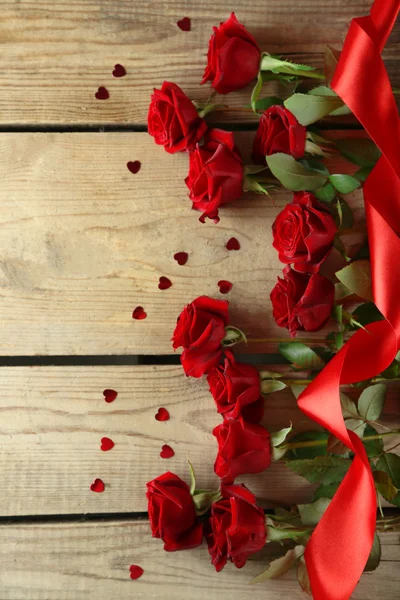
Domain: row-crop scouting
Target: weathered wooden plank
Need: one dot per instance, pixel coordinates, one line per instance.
(74, 561)
(53, 418)
(83, 242)
(55, 54)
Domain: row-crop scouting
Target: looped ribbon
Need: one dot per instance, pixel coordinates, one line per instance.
(341, 543)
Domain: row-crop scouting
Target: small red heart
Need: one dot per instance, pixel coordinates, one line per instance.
(181, 258)
(162, 415)
(106, 444)
(102, 93)
(233, 244)
(185, 24)
(139, 313)
(97, 486)
(135, 571)
(167, 452)
(164, 283)
(119, 71)
(110, 395)
(224, 286)
(134, 166)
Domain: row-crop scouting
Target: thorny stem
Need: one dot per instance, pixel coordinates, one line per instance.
(313, 443)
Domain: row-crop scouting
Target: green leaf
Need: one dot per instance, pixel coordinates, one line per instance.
(302, 576)
(256, 92)
(326, 491)
(362, 174)
(278, 437)
(264, 103)
(344, 184)
(335, 446)
(373, 447)
(204, 499)
(367, 313)
(323, 469)
(271, 385)
(331, 60)
(349, 408)
(392, 372)
(270, 375)
(280, 566)
(384, 485)
(192, 479)
(341, 292)
(297, 389)
(277, 531)
(276, 65)
(301, 356)
(371, 401)
(309, 451)
(311, 514)
(327, 193)
(313, 164)
(357, 278)
(360, 151)
(344, 214)
(308, 108)
(375, 555)
(292, 174)
(339, 340)
(390, 464)
(356, 425)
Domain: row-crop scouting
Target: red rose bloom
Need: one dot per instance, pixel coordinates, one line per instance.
(233, 58)
(172, 513)
(199, 330)
(235, 388)
(173, 120)
(215, 173)
(236, 528)
(278, 131)
(242, 448)
(302, 302)
(303, 233)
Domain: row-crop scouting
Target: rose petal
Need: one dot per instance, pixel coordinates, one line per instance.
(224, 286)
(106, 444)
(134, 166)
(110, 395)
(119, 71)
(233, 244)
(184, 24)
(181, 258)
(139, 313)
(135, 571)
(164, 283)
(167, 452)
(102, 93)
(162, 415)
(97, 486)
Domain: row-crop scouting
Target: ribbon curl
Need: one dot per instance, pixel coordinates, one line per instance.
(340, 545)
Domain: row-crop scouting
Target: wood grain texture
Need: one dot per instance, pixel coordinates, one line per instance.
(55, 54)
(83, 242)
(91, 560)
(53, 418)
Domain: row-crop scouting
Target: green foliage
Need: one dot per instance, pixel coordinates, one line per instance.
(309, 108)
(280, 566)
(344, 184)
(344, 214)
(360, 151)
(371, 401)
(373, 447)
(301, 356)
(326, 194)
(293, 175)
(271, 385)
(322, 469)
(375, 555)
(308, 452)
(326, 491)
(263, 103)
(384, 485)
(367, 313)
(357, 278)
(312, 513)
(390, 464)
(276, 65)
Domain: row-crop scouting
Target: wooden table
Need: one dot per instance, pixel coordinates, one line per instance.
(83, 242)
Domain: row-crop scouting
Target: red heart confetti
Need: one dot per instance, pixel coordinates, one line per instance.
(134, 166)
(233, 244)
(119, 71)
(102, 93)
(139, 313)
(135, 571)
(185, 24)
(181, 258)
(110, 395)
(97, 486)
(167, 452)
(162, 415)
(164, 283)
(224, 286)
(106, 444)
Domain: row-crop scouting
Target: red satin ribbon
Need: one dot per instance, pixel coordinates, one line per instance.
(340, 545)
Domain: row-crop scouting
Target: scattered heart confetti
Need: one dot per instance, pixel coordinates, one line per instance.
(139, 313)
(102, 93)
(162, 415)
(164, 283)
(119, 71)
(233, 244)
(110, 395)
(134, 166)
(167, 452)
(185, 24)
(181, 258)
(135, 571)
(106, 444)
(224, 286)
(97, 486)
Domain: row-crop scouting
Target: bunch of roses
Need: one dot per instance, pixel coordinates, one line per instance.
(235, 528)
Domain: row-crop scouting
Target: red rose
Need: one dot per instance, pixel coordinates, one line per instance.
(235, 388)
(302, 302)
(173, 120)
(233, 58)
(242, 448)
(200, 330)
(215, 173)
(236, 528)
(278, 131)
(172, 513)
(303, 233)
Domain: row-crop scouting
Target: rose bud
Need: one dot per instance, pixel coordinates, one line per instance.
(236, 528)
(172, 513)
(302, 302)
(173, 120)
(200, 330)
(233, 58)
(242, 448)
(215, 173)
(235, 388)
(304, 232)
(278, 131)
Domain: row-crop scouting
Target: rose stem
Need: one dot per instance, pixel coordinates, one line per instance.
(313, 443)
